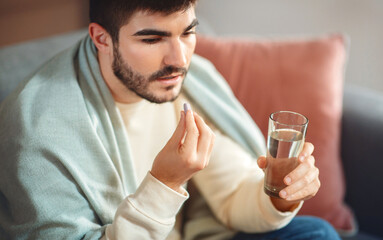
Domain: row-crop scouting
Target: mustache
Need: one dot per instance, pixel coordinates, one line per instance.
(166, 71)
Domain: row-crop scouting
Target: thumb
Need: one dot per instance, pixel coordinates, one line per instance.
(262, 162)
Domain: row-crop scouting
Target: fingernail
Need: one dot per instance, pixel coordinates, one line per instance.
(288, 180)
(283, 194)
(302, 158)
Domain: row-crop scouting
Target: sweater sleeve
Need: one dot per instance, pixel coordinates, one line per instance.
(232, 184)
(149, 213)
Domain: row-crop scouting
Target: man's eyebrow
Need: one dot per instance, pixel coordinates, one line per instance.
(155, 32)
(193, 24)
(150, 32)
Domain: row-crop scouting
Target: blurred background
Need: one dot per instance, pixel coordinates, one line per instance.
(23, 20)
(360, 20)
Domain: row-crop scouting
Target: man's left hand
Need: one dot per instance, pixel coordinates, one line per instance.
(302, 183)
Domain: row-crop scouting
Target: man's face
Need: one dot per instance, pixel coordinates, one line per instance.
(154, 53)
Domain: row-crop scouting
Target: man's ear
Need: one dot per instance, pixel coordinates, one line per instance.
(100, 38)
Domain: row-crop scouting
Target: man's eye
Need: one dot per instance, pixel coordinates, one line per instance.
(151, 40)
(189, 33)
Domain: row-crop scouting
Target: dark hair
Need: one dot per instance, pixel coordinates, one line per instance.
(113, 14)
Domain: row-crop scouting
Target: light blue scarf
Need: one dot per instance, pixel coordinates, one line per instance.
(65, 165)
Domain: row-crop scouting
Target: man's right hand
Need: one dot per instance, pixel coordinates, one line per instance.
(187, 152)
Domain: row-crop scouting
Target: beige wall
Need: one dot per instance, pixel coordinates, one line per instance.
(22, 20)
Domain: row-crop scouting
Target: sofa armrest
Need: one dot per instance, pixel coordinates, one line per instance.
(362, 155)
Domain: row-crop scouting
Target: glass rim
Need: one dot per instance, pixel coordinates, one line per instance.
(291, 112)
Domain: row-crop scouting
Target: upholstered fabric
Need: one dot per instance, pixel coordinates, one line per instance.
(302, 75)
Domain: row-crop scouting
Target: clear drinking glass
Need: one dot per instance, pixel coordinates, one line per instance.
(286, 136)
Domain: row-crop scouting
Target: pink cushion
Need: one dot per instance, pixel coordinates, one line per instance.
(301, 75)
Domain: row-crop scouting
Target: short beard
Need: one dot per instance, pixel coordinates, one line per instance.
(137, 83)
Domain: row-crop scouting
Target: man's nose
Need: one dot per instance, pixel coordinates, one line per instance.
(176, 54)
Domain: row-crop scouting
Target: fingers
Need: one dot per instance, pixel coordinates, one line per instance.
(300, 171)
(308, 149)
(187, 152)
(192, 134)
(206, 139)
(303, 182)
(199, 137)
(307, 192)
(179, 133)
(206, 135)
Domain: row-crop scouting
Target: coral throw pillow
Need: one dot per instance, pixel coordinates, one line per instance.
(301, 75)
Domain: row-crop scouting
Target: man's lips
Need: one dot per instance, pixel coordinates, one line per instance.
(168, 80)
(169, 77)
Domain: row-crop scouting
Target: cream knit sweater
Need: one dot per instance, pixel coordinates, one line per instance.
(232, 183)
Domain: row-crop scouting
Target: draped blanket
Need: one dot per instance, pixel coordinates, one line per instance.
(65, 163)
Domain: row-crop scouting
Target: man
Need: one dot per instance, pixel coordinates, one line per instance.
(94, 145)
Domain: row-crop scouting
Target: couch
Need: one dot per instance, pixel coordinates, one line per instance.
(361, 129)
